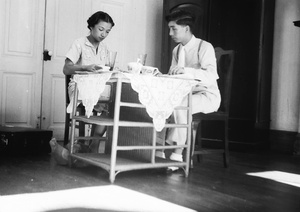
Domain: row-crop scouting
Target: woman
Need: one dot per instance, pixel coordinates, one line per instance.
(87, 54)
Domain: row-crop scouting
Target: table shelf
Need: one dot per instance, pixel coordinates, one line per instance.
(110, 122)
(124, 164)
(120, 157)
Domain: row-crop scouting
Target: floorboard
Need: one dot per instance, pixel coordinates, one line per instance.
(209, 186)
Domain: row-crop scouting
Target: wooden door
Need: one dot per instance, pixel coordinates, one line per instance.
(32, 91)
(200, 8)
(21, 37)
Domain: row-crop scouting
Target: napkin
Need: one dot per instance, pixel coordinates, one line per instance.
(149, 70)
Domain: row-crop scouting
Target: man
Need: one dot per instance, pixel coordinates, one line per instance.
(194, 57)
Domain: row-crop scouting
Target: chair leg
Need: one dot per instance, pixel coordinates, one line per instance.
(192, 148)
(67, 129)
(226, 150)
(193, 143)
(199, 141)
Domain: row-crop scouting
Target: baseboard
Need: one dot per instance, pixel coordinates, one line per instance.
(235, 146)
(283, 141)
(279, 141)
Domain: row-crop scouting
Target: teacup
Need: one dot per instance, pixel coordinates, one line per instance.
(134, 67)
(105, 68)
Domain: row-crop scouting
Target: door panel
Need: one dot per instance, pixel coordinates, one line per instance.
(20, 61)
(17, 100)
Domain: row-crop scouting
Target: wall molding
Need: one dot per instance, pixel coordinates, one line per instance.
(279, 141)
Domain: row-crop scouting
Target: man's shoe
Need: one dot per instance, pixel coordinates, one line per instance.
(176, 157)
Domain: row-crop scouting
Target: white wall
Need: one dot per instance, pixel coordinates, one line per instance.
(286, 67)
(153, 35)
(145, 31)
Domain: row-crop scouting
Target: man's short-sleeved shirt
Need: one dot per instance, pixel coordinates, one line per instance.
(82, 52)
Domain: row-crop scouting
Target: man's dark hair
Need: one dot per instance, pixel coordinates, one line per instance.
(97, 17)
(182, 17)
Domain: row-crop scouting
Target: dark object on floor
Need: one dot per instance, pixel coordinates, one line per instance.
(297, 23)
(59, 153)
(22, 140)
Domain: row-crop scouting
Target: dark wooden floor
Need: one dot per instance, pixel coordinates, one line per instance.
(209, 187)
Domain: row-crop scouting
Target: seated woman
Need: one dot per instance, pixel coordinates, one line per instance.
(87, 54)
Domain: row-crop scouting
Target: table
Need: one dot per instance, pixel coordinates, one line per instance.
(152, 92)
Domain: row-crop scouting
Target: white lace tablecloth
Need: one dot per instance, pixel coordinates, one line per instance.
(160, 95)
(90, 87)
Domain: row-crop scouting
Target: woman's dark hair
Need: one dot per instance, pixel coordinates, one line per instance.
(97, 17)
(182, 17)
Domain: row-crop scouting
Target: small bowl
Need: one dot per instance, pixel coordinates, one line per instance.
(105, 68)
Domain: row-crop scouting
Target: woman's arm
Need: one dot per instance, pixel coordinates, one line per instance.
(71, 68)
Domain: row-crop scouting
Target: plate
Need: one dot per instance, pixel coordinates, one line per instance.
(178, 76)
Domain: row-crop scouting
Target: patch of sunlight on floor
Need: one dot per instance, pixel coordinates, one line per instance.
(98, 198)
(283, 177)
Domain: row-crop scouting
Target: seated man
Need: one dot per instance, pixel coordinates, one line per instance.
(196, 57)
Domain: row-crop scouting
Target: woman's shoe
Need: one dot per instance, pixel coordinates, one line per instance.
(160, 154)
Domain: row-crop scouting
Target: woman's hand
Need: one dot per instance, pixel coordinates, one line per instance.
(92, 68)
(174, 70)
(89, 69)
